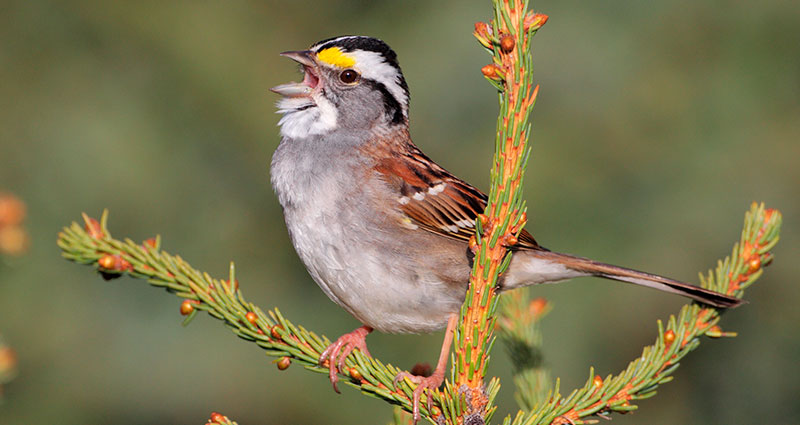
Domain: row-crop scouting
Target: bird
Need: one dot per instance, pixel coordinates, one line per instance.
(383, 229)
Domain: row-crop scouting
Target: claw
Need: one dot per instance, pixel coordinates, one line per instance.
(337, 353)
(423, 383)
(435, 380)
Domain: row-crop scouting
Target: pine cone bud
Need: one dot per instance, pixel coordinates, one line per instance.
(669, 337)
(534, 21)
(483, 33)
(507, 43)
(284, 363)
(187, 307)
(216, 418)
(355, 374)
(12, 210)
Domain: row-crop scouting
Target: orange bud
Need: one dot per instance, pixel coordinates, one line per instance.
(507, 43)
(13, 240)
(107, 262)
(8, 360)
(187, 307)
(535, 21)
(355, 374)
(284, 363)
(217, 418)
(754, 264)
(511, 240)
(12, 210)
(491, 71)
(151, 242)
(93, 227)
(597, 381)
(114, 262)
(251, 317)
(482, 217)
(669, 337)
(473, 243)
(483, 32)
(274, 332)
(483, 29)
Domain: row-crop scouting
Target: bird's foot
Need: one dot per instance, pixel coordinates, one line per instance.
(337, 352)
(423, 383)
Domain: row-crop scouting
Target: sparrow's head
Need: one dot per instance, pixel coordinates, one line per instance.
(350, 82)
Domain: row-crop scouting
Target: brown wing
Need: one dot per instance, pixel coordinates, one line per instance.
(436, 200)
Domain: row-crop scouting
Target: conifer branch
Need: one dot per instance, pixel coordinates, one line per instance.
(518, 329)
(93, 245)
(508, 39)
(601, 396)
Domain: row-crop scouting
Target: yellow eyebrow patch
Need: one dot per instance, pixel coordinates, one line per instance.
(336, 57)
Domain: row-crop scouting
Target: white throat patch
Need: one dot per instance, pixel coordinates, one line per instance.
(303, 117)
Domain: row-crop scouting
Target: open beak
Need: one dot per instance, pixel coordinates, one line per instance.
(310, 80)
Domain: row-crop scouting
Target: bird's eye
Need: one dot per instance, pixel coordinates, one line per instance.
(348, 76)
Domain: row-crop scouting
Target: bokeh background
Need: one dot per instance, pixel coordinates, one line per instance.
(658, 123)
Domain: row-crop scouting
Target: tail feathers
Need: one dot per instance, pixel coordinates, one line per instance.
(585, 266)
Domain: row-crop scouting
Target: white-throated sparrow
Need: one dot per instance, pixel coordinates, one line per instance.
(381, 228)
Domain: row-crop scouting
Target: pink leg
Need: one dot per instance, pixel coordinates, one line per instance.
(337, 352)
(434, 381)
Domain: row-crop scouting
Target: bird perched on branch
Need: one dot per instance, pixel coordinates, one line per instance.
(382, 228)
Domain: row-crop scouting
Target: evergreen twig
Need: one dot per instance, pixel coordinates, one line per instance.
(518, 329)
(93, 245)
(508, 39)
(601, 396)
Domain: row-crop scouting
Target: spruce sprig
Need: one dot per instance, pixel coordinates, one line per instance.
(93, 245)
(508, 39)
(657, 363)
(519, 331)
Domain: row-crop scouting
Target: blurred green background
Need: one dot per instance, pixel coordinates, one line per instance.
(657, 124)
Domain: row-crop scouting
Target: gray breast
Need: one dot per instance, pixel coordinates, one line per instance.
(356, 251)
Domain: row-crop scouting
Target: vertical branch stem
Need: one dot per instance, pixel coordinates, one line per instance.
(508, 39)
